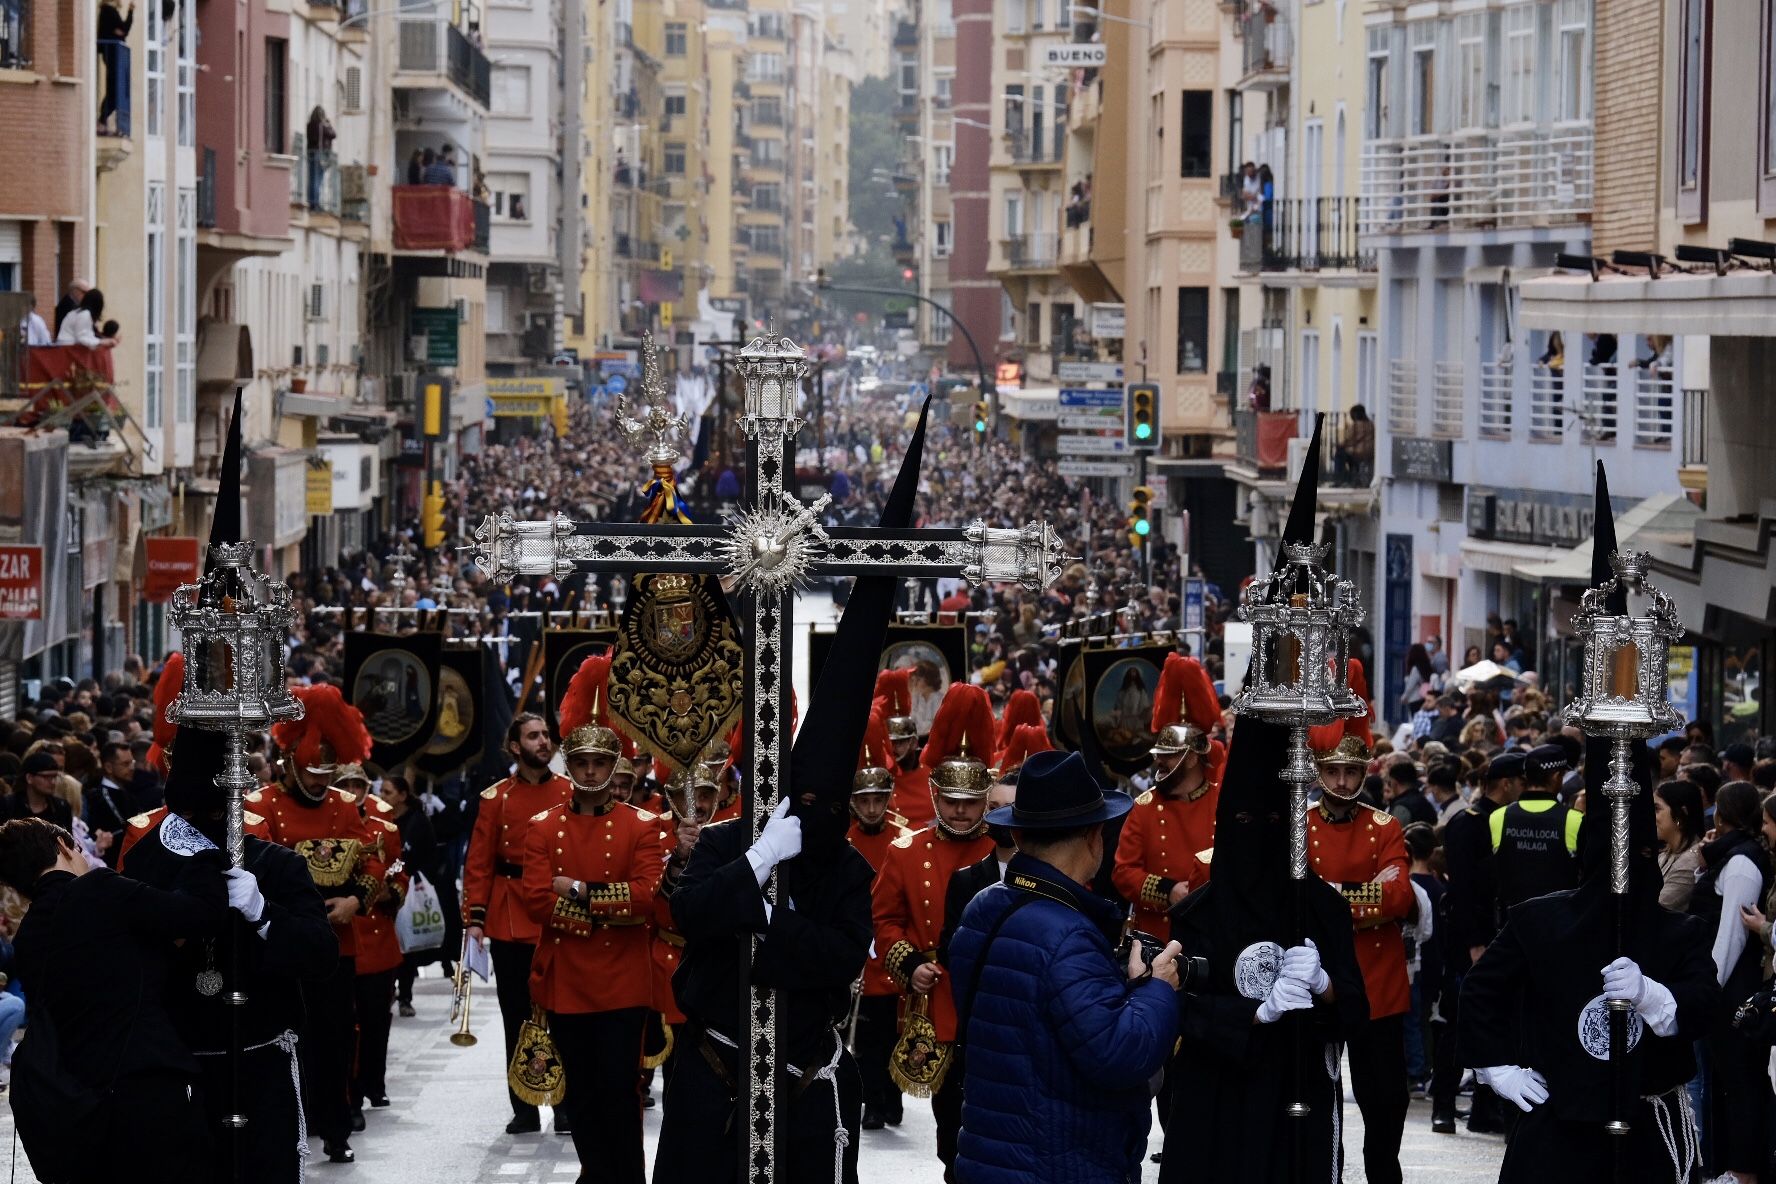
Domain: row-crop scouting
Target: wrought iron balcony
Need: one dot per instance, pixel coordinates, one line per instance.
(1528, 177)
(1306, 234)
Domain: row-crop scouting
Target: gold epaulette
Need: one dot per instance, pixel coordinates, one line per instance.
(491, 792)
(256, 796)
(1144, 799)
(1383, 817)
(247, 816)
(383, 822)
(899, 820)
(905, 839)
(1205, 856)
(540, 815)
(141, 821)
(347, 796)
(645, 815)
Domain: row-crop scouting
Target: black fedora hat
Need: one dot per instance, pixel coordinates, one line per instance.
(1055, 791)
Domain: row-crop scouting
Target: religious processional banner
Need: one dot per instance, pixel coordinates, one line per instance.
(457, 737)
(393, 679)
(1120, 684)
(678, 676)
(563, 651)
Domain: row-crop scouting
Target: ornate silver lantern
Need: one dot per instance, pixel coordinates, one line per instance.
(1623, 695)
(772, 367)
(1302, 617)
(234, 622)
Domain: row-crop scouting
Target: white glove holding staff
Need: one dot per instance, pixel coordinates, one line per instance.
(780, 840)
(1288, 994)
(1302, 963)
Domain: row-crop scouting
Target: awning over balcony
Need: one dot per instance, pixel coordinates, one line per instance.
(1739, 304)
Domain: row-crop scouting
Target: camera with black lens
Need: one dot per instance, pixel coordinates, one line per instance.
(1755, 1019)
(1189, 969)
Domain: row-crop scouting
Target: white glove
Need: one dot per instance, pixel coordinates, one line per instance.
(1524, 1088)
(1287, 995)
(1302, 963)
(1654, 1001)
(780, 840)
(244, 896)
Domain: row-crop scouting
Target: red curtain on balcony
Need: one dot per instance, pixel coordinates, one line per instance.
(433, 218)
(1275, 430)
(57, 375)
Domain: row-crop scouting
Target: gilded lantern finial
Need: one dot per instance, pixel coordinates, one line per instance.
(659, 430)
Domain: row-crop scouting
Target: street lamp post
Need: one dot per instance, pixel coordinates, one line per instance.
(989, 390)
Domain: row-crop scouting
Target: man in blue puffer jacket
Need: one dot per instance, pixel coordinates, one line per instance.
(1063, 1040)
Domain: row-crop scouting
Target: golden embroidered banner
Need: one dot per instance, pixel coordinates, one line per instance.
(678, 677)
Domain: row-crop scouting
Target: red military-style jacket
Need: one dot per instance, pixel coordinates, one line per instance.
(594, 954)
(668, 942)
(912, 796)
(876, 979)
(908, 907)
(1165, 841)
(1351, 855)
(495, 860)
(379, 949)
(332, 837)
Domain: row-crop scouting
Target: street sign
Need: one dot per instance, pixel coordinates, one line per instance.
(1095, 468)
(1193, 605)
(1089, 371)
(1107, 421)
(1084, 54)
(1083, 397)
(1108, 321)
(1089, 445)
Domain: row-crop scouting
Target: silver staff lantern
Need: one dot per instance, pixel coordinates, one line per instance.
(1623, 696)
(765, 552)
(234, 622)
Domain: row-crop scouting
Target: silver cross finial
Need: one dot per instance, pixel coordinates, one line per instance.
(660, 430)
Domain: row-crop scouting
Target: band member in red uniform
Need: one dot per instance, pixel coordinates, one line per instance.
(909, 895)
(689, 808)
(912, 779)
(322, 824)
(592, 871)
(492, 907)
(379, 950)
(1360, 851)
(873, 829)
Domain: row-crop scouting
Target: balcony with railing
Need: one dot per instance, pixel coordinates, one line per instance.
(1497, 391)
(436, 218)
(1448, 401)
(432, 45)
(1528, 177)
(1402, 397)
(1306, 235)
(1029, 150)
(1695, 427)
(1264, 34)
(1655, 408)
(483, 225)
(206, 191)
(1032, 252)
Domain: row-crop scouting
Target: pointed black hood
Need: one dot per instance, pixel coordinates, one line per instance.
(1300, 526)
(197, 757)
(1643, 840)
(825, 751)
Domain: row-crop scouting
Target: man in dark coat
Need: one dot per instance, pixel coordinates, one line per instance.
(1534, 1020)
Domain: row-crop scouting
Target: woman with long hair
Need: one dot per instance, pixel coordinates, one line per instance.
(1677, 812)
(1418, 679)
(1735, 876)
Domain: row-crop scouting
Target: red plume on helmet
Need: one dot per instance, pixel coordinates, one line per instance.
(1186, 695)
(166, 689)
(1022, 708)
(877, 752)
(330, 732)
(1025, 740)
(587, 701)
(1326, 737)
(894, 692)
(966, 714)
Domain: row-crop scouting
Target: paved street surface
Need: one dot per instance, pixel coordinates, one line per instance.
(446, 1124)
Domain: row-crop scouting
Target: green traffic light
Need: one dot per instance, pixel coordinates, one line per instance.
(1142, 527)
(980, 425)
(1143, 431)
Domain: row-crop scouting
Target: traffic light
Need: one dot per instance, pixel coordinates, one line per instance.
(1143, 413)
(431, 517)
(1140, 521)
(980, 417)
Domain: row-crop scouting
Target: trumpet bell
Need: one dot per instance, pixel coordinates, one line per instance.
(463, 1039)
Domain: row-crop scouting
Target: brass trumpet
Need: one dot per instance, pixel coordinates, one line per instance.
(459, 1007)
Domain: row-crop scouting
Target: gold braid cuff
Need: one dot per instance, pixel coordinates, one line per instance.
(1368, 893)
(477, 914)
(1156, 893)
(369, 886)
(570, 916)
(900, 961)
(609, 901)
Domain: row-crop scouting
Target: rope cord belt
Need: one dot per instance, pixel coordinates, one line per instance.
(286, 1042)
(1678, 1131)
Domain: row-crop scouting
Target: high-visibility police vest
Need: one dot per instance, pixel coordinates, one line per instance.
(1535, 843)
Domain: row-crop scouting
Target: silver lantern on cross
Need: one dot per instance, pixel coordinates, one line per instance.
(234, 623)
(1301, 617)
(1623, 695)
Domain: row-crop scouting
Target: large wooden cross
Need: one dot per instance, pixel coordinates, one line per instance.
(766, 551)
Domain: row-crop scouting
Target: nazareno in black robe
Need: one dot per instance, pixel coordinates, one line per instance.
(1232, 1079)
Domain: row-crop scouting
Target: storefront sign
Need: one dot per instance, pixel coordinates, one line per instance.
(171, 561)
(21, 582)
(1539, 519)
(1108, 322)
(1086, 55)
(438, 329)
(1419, 459)
(319, 499)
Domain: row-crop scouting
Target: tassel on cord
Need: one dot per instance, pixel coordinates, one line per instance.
(663, 502)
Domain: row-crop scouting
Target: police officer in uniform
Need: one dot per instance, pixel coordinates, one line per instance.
(1535, 840)
(492, 906)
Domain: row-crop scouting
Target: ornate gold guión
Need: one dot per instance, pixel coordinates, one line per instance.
(678, 674)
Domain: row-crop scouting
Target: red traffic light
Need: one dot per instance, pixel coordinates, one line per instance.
(906, 273)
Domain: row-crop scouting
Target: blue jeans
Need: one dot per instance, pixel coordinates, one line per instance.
(12, 1014)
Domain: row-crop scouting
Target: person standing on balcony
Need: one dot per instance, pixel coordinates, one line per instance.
(416, 167)
(80, 327)
(441, 169)
(68, 303)
(1356, 448)
(320, 143)
(114, 30)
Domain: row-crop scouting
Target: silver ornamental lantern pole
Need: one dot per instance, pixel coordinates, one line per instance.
(1301, 617)
(1623, 698)
(233, 624)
